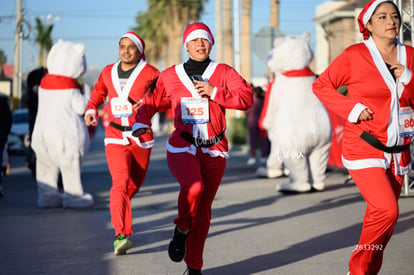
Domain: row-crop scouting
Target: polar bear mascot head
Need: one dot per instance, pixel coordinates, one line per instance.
(290, 53)
(67, 58)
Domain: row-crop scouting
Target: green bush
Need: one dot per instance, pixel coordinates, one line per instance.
(237, 130)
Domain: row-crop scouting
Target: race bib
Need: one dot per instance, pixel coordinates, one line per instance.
(121, 107)
(406, 122)
(194, 110)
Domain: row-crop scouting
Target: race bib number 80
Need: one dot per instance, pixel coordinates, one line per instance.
(407, 122)
(194, 110)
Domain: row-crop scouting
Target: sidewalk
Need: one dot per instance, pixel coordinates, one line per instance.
(254, 229)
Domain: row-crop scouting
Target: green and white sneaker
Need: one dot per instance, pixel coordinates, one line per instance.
(121, 244)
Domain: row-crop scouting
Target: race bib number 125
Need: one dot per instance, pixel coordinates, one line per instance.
(194, 110)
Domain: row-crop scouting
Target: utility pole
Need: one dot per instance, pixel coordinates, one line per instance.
(17, 74)
(406, 12)
(274, 13)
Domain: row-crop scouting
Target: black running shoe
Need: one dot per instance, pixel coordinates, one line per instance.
(190, 271)
(176, 248)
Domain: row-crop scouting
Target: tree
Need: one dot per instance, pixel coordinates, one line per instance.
(149, 28)
(219, 34)
(246, 40)
(43, 39)
(162, 25)
(228, 32)
(3, 58)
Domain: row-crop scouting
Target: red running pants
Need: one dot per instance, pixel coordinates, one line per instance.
(381, 190)
(128, 165)
(199, 177)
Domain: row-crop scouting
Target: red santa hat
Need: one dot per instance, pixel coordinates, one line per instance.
(197, 30)
(366, 14)
(137, 41)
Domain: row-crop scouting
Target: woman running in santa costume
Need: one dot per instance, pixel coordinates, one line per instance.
(380, 123)
(199, 90)
(123, 84)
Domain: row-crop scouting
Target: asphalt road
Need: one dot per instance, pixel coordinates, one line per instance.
(254, 230)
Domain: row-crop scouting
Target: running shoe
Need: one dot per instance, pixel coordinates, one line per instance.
(121, 245)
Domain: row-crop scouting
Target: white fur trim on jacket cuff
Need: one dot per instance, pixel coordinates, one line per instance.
(356, 111)
(90, 112)
(147, 145)
(213, 94)
(137, 126)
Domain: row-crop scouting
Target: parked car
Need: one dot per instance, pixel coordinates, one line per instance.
(18, 140)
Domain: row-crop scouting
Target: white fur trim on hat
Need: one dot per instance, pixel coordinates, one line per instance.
(136, 41)
(198, 34)
(371, 10)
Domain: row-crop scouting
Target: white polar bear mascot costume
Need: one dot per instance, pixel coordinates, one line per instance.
(297, 123)
(60, 138)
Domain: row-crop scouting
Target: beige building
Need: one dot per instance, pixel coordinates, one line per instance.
(337, 28)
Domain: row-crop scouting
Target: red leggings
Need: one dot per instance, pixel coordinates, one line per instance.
(128, 165)
(381, 190)
(199, 177)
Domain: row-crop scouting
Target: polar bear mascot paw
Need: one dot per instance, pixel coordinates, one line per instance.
(82, 201)
(294, 187)
(297, 123)
(271, 173)
(51, 200)
(60, 137)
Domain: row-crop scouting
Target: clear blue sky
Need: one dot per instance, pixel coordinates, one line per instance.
(98, 25)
